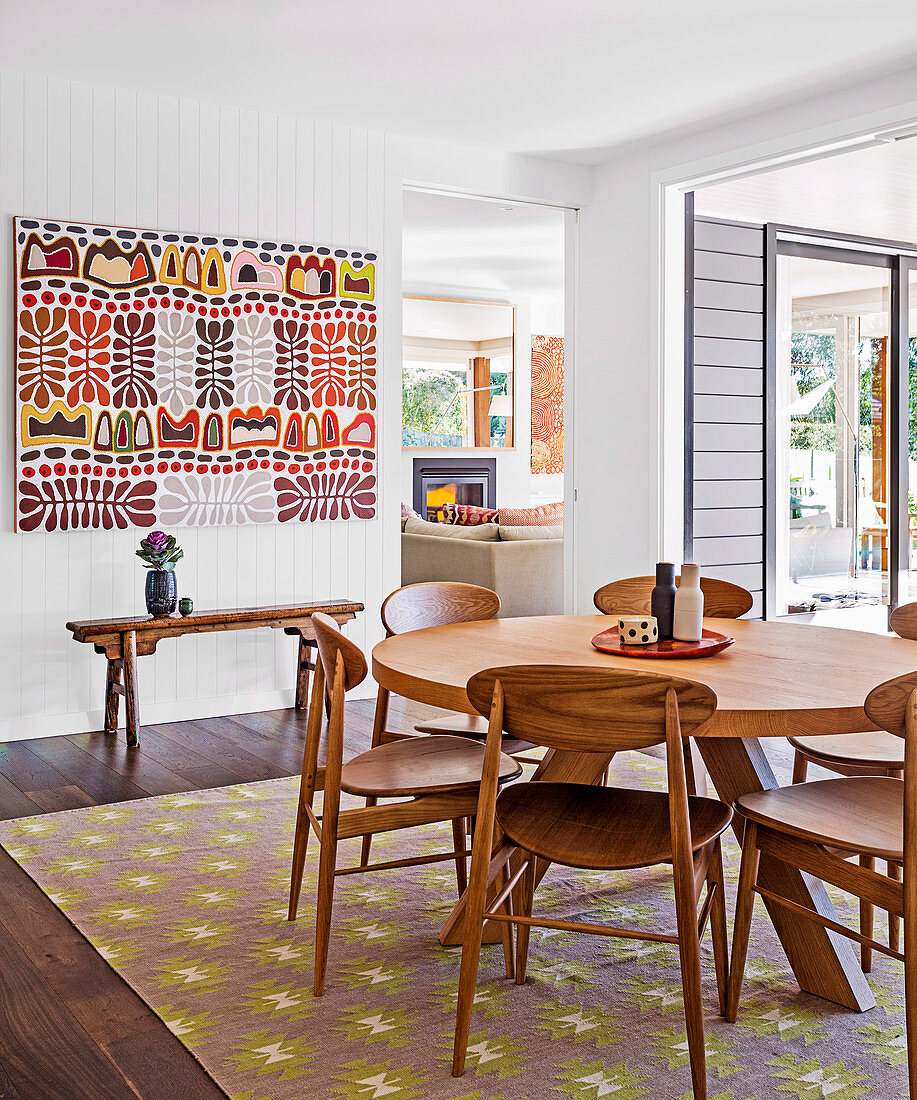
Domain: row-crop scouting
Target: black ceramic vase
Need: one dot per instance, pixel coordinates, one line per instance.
(161, 592)
(662, 601)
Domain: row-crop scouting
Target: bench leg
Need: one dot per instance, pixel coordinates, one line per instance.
(132, 703)
(304, 666)
(112, 691)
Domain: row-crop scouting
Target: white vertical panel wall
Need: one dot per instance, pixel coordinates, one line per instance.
(729, 403)
(83, 153)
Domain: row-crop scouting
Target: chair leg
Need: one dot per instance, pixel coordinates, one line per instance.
(894, 922)
(689, 953)
(910, 975)
(718, 925)
(867, 919)
(458, 841)
(800, 768)
(745, 903)
(506, 930)
(380, 718)
(306, 794)
(527, 896)
(471, 945)
(325, 903)
(300, 847)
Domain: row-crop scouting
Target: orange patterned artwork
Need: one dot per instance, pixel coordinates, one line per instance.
(188, 380)
(547, 404)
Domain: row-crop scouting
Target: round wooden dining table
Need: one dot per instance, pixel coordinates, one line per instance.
(778, 679)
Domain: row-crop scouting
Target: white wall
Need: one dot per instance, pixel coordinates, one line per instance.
(82, 152)
(623, 460)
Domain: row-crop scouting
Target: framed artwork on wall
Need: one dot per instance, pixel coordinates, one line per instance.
(547, 405)
(177, 379)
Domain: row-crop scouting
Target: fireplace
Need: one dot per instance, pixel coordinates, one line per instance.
(439, 481)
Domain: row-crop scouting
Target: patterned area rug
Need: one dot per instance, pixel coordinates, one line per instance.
(185, 896)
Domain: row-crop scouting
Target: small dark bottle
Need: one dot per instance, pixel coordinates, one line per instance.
(662, 602)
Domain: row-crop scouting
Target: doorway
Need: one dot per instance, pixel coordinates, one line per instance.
(487, 356)
(831, 437)
(834, 521)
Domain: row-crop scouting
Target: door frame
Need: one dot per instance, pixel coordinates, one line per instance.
(899, 258)
(571, 247)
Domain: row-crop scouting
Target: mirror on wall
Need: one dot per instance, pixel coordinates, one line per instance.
(457, 373)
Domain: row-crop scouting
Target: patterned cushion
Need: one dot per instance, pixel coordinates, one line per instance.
(407, 512)
(548, 515)
(467, 515)
(481, 532)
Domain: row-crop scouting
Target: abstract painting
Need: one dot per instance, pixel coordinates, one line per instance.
(188, 380)
(547, 405)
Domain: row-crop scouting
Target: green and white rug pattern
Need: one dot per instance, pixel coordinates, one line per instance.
(185, 896)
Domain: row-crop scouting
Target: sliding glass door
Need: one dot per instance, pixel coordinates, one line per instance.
(907, 327)
(832, 434)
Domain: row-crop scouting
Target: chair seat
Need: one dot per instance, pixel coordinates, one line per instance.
(857, 814)
(879, 749)
(473, 726)
(606, 828)
(420, 765)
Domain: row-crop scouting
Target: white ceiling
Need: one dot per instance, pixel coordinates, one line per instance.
(871, 192)
(524, 75)
(440, 320)
(457, 242)
(811, 279)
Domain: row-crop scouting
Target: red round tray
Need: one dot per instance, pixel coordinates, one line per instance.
(711, 642)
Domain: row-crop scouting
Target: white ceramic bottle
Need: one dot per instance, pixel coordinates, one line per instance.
(689, 606)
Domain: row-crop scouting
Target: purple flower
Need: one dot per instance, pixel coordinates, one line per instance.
(156, 541)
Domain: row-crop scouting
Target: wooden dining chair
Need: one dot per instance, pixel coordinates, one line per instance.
(417, 607)
(437, 603)
(440, 777)
(631, 596)
(609, 828)
(812, 826)
(722, 600)
(874, 753)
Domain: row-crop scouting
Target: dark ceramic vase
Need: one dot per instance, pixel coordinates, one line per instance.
(662, 601)
(161, 592)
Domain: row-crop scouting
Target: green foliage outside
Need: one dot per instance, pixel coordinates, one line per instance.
(433, 401)
(812, 359)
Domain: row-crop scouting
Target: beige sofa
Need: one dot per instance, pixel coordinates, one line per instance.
(527, 575)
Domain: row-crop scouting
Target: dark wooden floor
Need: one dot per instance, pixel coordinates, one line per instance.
(70, 1028)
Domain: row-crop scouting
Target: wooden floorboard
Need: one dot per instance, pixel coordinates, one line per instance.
(14, 802)
(143, 770)
(215, 749)
(54, 799)
(43, 1049)
(26, 769)
(8, 1090)
(102, 783)
(69, 1026)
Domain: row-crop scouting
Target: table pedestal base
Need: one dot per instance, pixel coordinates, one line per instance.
(823, 962)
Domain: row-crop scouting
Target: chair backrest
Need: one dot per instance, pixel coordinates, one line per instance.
(631, 596)
(437, 603)
(588, 709)
(893, 706)
(904, 621)
(332, 646)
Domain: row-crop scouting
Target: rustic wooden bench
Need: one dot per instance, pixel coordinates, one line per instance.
(124, 640)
